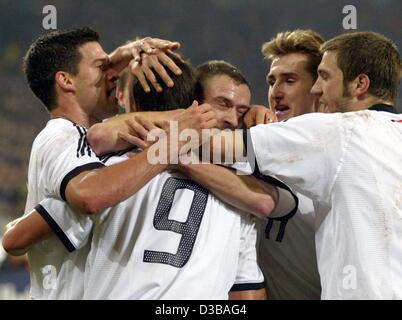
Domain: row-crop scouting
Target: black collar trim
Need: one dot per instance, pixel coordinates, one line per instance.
(383, 107)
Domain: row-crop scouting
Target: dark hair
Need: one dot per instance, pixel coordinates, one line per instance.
(181, 95)
(50, 53)
(304, 41)
(213, 68)
(368, 53)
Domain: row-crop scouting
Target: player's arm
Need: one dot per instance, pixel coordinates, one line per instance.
(93, 191)
(259, 294)
(234, 144)
(21, 234)
(90, 192)
(227, 146)
(241, 191)
(244, 192)
(104, 137)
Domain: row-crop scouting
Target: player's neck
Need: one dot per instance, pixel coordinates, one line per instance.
(367, 102)
(74, 114)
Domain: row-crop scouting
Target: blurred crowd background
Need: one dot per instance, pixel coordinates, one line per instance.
(232, 30)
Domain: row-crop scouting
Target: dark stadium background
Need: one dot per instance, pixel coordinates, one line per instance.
(231, 30)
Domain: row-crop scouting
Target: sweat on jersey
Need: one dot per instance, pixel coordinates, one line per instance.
(350, 165)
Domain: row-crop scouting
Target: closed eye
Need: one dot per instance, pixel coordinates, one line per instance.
(224, 103)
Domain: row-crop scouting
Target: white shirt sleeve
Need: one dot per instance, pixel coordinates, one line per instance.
(249, 275)
(72, 229)
(304, 152)
(65, 155)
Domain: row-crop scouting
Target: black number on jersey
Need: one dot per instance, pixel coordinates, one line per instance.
(188, 229)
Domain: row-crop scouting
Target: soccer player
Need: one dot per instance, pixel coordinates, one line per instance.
(121, 235)
(223, 87)
(349, 163)
(74, 78)
(290, 266)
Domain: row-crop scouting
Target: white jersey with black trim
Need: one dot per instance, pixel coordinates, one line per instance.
(59, 149)
(350, 165)
(171, 240)
(290, 266)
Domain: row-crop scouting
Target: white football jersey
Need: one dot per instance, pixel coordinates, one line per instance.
(171, 240)
(290, 266)
(59, 149)
(350, 165)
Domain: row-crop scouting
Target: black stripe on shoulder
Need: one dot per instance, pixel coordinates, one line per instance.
(56, 228)
(88, 147)
(75, 172)
(80, 141)
(247, 286)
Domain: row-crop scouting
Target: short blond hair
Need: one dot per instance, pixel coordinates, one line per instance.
(304, 41)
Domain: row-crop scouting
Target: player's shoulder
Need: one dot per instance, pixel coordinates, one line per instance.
(57, 136)
(315, 118)
(59, 131)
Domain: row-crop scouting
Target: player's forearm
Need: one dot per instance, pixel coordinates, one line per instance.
(21, 234)
(227, 145)
(243, 192)
(93, 191)
(103, 137)
(260, 294)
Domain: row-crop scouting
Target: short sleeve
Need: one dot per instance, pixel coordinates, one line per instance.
(65, 156)
(72, 229)
(304, 152)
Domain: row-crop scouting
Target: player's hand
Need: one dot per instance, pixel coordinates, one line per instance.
(259, 115)
(131, 53)
(143, 133)
(156, 62)
(197, 118)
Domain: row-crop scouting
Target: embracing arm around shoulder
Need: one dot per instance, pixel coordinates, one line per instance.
(104, 137)
(244, 192)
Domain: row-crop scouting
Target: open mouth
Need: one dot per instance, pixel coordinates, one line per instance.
(281, 110)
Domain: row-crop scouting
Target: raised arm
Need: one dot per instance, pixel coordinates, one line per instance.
(130, 54)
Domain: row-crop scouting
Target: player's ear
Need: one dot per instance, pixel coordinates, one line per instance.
(361, 85)
(64, 81)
